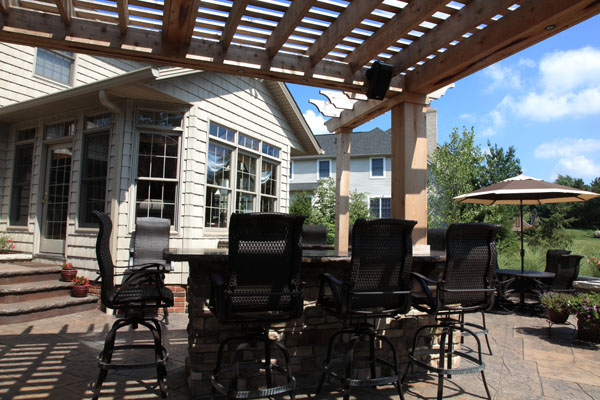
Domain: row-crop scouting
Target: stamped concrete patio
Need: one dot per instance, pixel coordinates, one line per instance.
(55, 358)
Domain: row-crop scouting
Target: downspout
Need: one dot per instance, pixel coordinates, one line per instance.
(105, 101)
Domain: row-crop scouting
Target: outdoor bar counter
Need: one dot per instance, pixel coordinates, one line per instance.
(306, 338)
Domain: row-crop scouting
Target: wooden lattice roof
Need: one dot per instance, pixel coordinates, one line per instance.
(324, 43)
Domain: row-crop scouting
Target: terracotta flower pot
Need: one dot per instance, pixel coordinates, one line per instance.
(79, 291)
(67, 275)
(558, 317)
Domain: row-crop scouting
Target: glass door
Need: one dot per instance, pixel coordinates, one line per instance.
(56, 199)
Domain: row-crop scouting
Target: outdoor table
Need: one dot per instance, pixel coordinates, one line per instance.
(527, 277)
(308, 336)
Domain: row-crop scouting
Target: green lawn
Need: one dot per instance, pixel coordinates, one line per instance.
(584, 243)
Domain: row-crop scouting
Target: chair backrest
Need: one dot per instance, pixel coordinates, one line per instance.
(265, 249)
(314, 234)
(552, 259)
(381, 262)
(567, 272)
(151, 239)
(471, 261)
(105, 262)
(436, 238)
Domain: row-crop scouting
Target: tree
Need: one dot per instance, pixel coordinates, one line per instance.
(321, 211)
(500, 165)
(455, 169)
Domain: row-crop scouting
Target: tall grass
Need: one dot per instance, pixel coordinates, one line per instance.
(583, 242)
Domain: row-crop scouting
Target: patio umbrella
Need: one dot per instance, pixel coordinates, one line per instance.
(525, 190)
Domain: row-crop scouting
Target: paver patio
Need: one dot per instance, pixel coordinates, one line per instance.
(55, 358)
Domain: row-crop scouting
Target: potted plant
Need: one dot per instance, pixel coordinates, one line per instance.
(585, 306)
(557, 306)
(67, 272)
(80, 286)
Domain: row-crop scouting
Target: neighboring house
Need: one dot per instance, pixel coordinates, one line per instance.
(185, 145)
(370, 164)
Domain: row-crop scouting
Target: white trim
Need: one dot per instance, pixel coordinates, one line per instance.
(319, 169)
(371, 168)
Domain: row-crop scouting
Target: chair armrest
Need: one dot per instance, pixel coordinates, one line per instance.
(336, 287)
(433, 302)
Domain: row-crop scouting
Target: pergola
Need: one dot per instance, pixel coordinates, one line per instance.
(325, 43)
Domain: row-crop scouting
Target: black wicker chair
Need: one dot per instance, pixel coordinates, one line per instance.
(466, 286)
(553, 258)
(134, 303)
(566, 272)
(262, 287)
(314, 235)
(150, 240)
(378, 285)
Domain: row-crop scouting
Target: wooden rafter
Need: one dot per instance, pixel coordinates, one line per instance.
(235, 16)
(403, 22)
(340, 28)
(179, 19)
(465, 20)
(65, 9)
(286, 26)
(123, 11)
(528, 25)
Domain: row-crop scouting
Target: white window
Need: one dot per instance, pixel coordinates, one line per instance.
(158, 165)
(381, 207)
(239, 177)
(55, 65)
(377, 167)
(21, 183)
(324, 168)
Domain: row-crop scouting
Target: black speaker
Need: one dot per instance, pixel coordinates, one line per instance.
(378, 80)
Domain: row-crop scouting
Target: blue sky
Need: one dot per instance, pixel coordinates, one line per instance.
(544, 101)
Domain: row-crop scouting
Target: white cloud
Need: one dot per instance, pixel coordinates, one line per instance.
(316, 122)
(468, 117)
(580, 166)
(567, 148)
(565, 71)
(548, 106)
(527, 62)
(503, 77)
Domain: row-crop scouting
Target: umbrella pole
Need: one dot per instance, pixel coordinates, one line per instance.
(522, 248)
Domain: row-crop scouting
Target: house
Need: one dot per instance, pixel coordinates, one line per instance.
(81, 133)
(370, 164)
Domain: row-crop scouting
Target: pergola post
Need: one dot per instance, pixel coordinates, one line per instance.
(409, 168)
(342, 189)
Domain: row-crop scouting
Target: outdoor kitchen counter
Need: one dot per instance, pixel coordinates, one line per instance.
(307, 337)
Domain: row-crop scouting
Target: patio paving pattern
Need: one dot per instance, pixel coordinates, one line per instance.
(56, 358)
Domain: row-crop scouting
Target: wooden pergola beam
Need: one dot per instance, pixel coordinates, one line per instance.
(65, 9)
(141, 45)
(465, 20)
(403, 22)
(235, 16)
(179, 19)
(123, 11)
(294, 14)
(340, 28)
(532, 22)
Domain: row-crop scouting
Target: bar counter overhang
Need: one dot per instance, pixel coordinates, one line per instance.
(307, 337)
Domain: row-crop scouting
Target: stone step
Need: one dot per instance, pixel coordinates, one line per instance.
(13, 273)
(44, 308)
(19, 292)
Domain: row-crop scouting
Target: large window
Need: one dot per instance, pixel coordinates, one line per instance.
(324, 168)
(381, 207)
(158, 164)
(21, 182)
(241, 175)
(377, 167)
(55, 65)
(92, 195)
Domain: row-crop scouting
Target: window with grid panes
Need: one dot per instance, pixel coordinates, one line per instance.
(21, 182)
(92, 195)
(232, 152)
(381, 207)
(55, 65)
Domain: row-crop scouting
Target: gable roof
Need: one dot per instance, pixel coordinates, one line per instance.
(375, 142)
